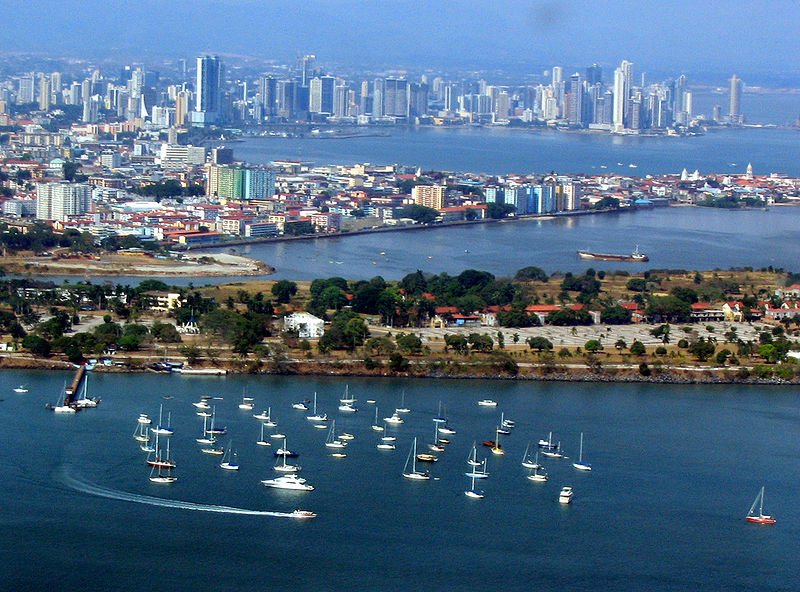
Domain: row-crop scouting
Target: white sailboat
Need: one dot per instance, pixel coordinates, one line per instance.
(162, 475)
(261, 441)
(385, 445)
(403, 408)
(205, 438)
(531, 464)
(347, 404)
(211, 439)
(282, 466)
(472, 492)
(156, 459)
(140, 433)
(472, 459)
(440, 417)
(332, 441)
(436, 446)
(376, 427)
(414, 474)
(580, 464)
(314, 415)
(503, 428)
(479, 470)
(61, 406)
(84, 401)
(164, 430)
(247, 404)
(230, 460)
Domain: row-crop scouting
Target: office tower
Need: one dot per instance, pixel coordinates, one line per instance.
(575, 107)
(136, 83)
(56, 201)
(44, 93)
(287, 91)
(378, 92)
(557, 76)
(306, 69)
(735, 101)
(341, 102)
(716, 113)
(364, 105)
(395, 98)
(430, 196)
(452, 92)
(25, 93)
(208, 91)
(320, 95)
(55, 88)
(74, 96)
(687, 103)
(91, 109)
(417, 99)
(269, 98)
(181, 107)
(618, 118)
(502, 106)
(594, 75)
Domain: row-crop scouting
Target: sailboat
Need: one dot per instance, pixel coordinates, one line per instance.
(144, 419)
(214, 430)
(553, 452)
(154, 459)
(21, 389)
(504, 428)
(61, 406)
(414, 473)
(205, 438)
(580, 465)
(210, 439)
(439, 417)
(202, 403)
(247, 404)
(537, 476)
(85, 402)
(759, 518)
(270, 423)
(376, 427)
(164, 430)
(403, 408)
(384, 445)
(230, 460)
(347, 403)
(497, 449)
(282, 465)
(526, 459)
(261, 441)
(475, 472)
(162, 475)
(140, 433)
(314, 415)
(436, 446)
(332, 441)
(472, 492)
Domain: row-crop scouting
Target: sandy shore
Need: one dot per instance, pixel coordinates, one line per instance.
(191, 265)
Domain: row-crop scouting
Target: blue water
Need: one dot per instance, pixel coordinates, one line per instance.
(676, 468)
(673, 238)
(501, 151)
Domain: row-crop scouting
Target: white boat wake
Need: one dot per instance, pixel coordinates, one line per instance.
(125, 496)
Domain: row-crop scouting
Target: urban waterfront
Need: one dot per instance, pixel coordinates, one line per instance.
(663, 508)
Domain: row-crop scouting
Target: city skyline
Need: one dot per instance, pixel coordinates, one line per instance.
(441, 34)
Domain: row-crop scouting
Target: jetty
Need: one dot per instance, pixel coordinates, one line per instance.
(74, 388)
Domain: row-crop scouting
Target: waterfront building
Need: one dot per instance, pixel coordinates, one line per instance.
(735, 101)
(321, 95)
(430, 196)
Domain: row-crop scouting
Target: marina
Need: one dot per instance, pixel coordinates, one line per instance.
(93, 471)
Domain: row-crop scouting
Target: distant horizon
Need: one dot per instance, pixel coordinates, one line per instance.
(515, 35)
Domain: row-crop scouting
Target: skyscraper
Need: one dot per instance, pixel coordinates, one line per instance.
(734, 105)
(208, 88)
(575, 107)
(321, 90)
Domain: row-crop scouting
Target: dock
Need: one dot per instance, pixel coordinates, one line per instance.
(74, 388)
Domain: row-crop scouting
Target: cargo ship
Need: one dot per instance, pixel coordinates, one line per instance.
(636, 256)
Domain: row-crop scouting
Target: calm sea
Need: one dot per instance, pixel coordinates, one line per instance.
(675, 471)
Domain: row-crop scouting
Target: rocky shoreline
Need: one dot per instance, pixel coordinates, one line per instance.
(664, 376)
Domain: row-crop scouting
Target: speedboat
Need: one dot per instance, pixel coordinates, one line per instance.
(300, 406)
(394, 419)
(487, 403)
(303, 514)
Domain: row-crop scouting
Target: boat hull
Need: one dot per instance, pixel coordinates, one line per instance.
(634, 257)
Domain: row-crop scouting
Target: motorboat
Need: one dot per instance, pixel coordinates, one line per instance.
(292, 482)
(487, 403)
(565, 496)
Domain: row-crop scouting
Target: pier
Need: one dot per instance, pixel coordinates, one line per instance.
(74, 387)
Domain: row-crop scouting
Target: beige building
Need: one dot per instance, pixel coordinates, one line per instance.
(430, 196)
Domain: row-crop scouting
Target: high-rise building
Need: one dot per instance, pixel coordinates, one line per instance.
(396, 97)
(594, 75)
(269, 96)
(735, 101)
(575, 107)
(321, 90)
(181, 107)
(208, 91)
(56, 201)
(44, 93)
(618, 117)
(430, 196)
(306, 69)
(238, 182)
(25, 92)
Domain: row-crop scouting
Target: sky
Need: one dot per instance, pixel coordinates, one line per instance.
(742, 36)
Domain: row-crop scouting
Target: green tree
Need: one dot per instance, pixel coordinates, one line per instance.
(539, 343)
(637, 348)
(458, 343)
(38, 346)
(702, 349)
(397, 363)
(497, 211)
(408, 343)
(615, 315)
(284, 290)
(420, 214)
(531, 274)
(593, 346)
